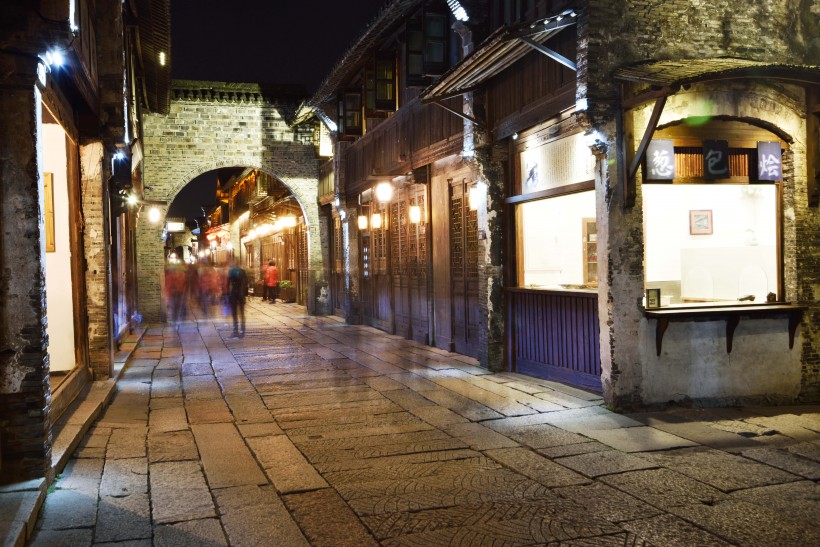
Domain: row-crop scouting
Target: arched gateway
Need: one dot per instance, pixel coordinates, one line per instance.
(212, 125)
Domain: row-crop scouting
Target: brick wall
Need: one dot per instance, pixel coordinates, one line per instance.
(202, 134)
(98, 268)
(25, 428)
(612, 34)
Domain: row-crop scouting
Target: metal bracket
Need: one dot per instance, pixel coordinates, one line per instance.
(554, 55)
(459, 114)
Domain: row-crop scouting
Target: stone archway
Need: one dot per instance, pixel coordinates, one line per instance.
(212, 125)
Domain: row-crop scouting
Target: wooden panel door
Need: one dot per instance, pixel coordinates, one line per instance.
(380, 312)
(337, 279)
(399, 263)
(417, 249)
(464, 270)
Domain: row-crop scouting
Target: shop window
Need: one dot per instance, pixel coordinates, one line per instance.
(427, 46)
(380, 83)
(711, 238)
(350, 113)
(557, 242)
(711, 242)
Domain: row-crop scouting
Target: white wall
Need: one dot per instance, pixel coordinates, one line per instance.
(59, 293)
(552, 239)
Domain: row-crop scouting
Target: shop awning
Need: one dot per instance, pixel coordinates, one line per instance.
(671, 74)
(499, 51)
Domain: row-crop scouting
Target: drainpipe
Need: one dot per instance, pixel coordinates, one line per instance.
(466, 36)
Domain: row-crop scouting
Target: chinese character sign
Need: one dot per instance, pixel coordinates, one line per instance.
(769, 161)
(716, 159)
(660, 160)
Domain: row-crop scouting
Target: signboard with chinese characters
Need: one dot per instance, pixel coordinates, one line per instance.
(769, 161)
(660, 160)
(715, 159)
(557, 163)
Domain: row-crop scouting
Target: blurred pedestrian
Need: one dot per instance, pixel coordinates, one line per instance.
(236, 289)
(271, 282)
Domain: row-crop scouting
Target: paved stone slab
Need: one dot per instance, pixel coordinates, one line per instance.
(664, 488)
(73, 503)
(800, 500)
(608, 503)
(503, 405)
(248, 408)
(172, 446)
(724, 471)
(127, 442)
(256, 516)
(197, 369)
(226, 459)
(810, 451)
(786, 461)
(596, 464)
(259, 429)
(62, 538)
(471, 410)
(208, 411)
(672, 531)
(478, 437)
(536, 467)
(544, 521)
(285, 465)
(536, 435)
(172, 418)
(179, 492)
(639, 439)
(327, 520)
(204, 533)
(123, 517)
(750, 524)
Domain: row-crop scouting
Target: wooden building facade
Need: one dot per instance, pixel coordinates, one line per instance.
(497, 193)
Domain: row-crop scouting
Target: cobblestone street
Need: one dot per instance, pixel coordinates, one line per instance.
(308, 431)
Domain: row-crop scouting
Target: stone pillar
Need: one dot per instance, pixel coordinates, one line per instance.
(97, 247)
(25, 427)
(350, 234)
(150, 267)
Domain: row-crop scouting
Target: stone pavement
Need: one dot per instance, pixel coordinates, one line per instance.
(308, 431)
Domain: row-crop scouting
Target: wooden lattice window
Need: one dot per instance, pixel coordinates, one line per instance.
(338, 247)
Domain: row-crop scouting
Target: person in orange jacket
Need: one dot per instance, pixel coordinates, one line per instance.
(271, 282)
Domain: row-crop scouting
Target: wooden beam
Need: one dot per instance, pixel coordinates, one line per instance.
(812, 145)
(657, 110)
(457, 113)
(554, 55)
(552, 27)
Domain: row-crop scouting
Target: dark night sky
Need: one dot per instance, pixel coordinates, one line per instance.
(266, 41)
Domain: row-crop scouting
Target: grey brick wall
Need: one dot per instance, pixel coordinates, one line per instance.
(199, 135)
(612, 34)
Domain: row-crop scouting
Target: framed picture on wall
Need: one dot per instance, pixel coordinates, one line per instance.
(700, 222)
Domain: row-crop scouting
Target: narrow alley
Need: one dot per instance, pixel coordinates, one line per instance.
(310, 431)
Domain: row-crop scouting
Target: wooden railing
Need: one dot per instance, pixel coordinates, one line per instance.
(555, 335)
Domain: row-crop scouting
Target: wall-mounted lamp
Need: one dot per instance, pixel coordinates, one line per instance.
(376, 221)
(476, 195)
(362, 222)
(132, 199)
(288, 221)
(153, 215)
(384, 192)
(415, 214)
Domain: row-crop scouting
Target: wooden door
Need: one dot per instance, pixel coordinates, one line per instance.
(337, 267)
(464, 270)
(399, 263)
(382, 314)
(417, 267)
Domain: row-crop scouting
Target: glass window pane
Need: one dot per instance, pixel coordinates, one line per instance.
(415, 65)
(435, 25)
(415, 39)
(434, 52)
(384, 91)
(551, 246)
(711, 242)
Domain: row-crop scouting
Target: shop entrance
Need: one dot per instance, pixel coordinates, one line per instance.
(464, 270)
(60, 210)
